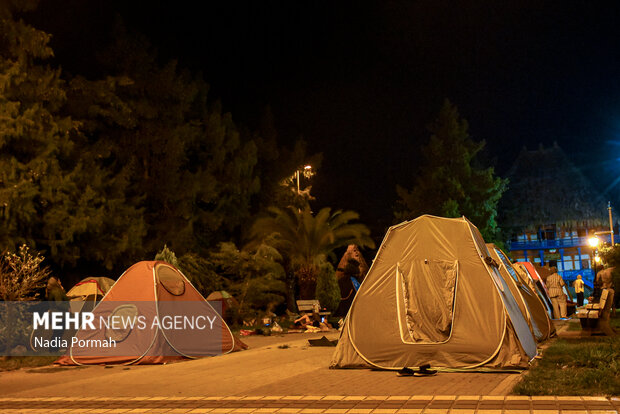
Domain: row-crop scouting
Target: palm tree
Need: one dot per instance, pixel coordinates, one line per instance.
(307, 240)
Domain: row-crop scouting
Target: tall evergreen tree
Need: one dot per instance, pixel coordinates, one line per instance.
(450, 181)
(55, 194)
(50, 194)
(33, 137)
(188, 162)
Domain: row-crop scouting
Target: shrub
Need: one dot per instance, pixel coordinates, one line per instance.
(167, 256)
(327, 289)
(200, 272)
(21, 275)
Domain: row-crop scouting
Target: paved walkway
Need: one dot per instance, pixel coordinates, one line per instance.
(418, 404)
(284, 365)
(280, 374)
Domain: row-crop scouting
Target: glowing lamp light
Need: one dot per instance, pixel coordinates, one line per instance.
(597, 259)
(308, 167)
(593, 241)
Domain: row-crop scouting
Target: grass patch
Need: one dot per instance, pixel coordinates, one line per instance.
(17, 362)
(579, 366)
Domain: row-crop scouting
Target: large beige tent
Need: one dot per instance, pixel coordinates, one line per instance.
(530, 304)
(433, 295)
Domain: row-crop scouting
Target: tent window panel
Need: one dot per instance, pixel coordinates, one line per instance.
(170, 279)
(428, 291)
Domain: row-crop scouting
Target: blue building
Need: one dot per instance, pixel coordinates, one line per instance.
(550, 211)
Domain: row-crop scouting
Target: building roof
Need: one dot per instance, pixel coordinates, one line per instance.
(547, 188)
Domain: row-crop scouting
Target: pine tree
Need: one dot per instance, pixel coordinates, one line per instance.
(450, 182)
(188, 162)
(55, 193)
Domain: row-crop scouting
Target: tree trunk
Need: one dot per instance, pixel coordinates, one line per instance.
(306, 275)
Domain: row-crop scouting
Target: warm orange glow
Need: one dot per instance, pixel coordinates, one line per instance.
(593, 241)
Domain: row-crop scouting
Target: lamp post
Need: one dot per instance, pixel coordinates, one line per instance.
(594, 242)
(611, 225)
(307, 170)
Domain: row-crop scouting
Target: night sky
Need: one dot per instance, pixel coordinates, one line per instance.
(361, 80)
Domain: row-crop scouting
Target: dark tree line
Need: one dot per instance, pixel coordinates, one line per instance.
(103, 172)
(100, 173)
(108, 170)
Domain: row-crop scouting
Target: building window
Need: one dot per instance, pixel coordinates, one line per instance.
(547, 233)
(585, 261)
(568, 263)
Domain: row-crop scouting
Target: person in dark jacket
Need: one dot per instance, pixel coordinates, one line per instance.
(56, 295)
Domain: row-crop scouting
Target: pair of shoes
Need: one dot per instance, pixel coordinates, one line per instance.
(405, 372)
(425, 371)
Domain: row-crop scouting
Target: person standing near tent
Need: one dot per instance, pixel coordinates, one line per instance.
(56, 295)
(555, 285)
(578, 285)
(54, 292)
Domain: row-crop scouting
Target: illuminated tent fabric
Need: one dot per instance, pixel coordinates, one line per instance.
(225, 298)
(533, 279)
(151, 291)
(432, 296)
(90, 287)
(85, 293)
(530, 304)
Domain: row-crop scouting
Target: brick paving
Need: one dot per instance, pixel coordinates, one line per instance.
(271, 379)
(417, 404)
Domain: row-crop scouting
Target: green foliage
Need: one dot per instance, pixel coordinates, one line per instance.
(102, 170)
(293, 166)
(35, 139)
(55, 191)
(307, 240)
(585, 366)
(327, 288)
(21, 275)
(167, 256)
(188, 159)
(450, 183)
(200, 272)
(253, 276)
(611, 258)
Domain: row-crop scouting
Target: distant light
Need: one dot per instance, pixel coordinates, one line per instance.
(597, 259)
(593, 241)
(308, 167)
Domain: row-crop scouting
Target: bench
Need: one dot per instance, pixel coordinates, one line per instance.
(594, 318)
(311, 305)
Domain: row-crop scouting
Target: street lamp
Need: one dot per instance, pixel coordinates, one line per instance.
(307, 172)
(594, 242)
(611, 226)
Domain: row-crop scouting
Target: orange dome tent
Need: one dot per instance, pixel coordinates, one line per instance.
(144, 297)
